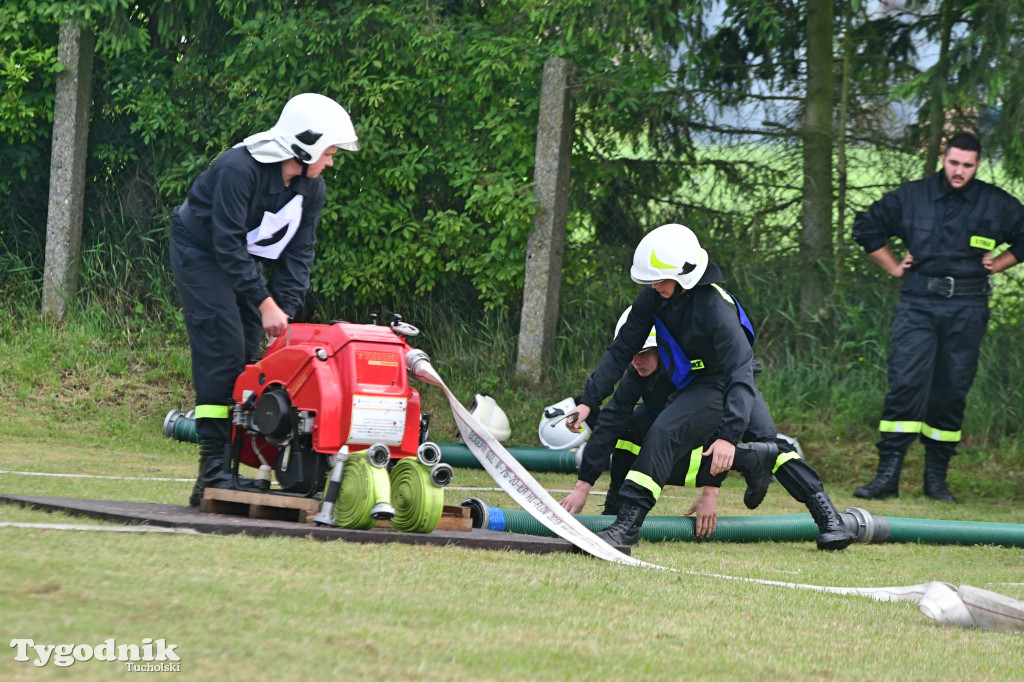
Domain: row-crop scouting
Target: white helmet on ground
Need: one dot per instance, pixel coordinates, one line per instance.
(669, 252)
(486, 411)
(652, 339)
(553, 432)
(308, 125)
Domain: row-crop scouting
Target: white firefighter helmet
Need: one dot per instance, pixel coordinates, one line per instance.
(669, 252)
(553, 432)
(652, 339)
(308, 125)
(486, 411)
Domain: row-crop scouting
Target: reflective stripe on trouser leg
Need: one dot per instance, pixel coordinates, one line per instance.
(212, 412)
(888, 426)
(940, 435)
(684, 424)
(783, 458)
(799, 479)
(645, 482)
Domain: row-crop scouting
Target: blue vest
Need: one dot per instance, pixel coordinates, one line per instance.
(680, 368)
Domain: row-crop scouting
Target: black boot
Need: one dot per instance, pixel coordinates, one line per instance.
(886, 482)
(215, 471)
(612, 502)
(833, 533)
(625, 530)
(755, 461)
(936, 464)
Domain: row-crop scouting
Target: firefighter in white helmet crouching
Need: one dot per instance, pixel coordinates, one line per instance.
(703, 357)
(259, 201)
(622, 424)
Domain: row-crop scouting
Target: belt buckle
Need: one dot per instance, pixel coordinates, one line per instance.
(942, 286)
(952, 286)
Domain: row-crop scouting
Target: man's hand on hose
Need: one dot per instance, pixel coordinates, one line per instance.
(706, 508)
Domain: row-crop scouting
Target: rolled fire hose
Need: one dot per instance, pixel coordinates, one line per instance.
(418, 501)
(778, 528)
(362, 487)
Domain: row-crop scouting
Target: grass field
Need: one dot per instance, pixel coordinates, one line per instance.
(248, 608)
(80, 401)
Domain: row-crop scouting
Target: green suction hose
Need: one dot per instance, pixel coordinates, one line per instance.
(181, 427)
(778, 528)
(533, 459)
(418, 502)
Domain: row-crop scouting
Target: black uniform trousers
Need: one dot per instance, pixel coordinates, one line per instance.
(224, 331)
(933, 359)
(625, 454)
(799, 479)
(688, 419)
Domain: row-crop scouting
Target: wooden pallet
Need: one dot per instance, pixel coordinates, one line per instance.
(301, 509)
(259, 505)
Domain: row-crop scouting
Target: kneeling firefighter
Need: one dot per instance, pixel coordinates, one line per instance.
(704, 346)
(259, 201)
(622, 425)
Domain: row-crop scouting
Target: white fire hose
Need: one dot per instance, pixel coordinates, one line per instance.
(946, 604)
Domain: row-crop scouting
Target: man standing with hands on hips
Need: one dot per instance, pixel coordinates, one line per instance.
(259, 201)
(949, 224)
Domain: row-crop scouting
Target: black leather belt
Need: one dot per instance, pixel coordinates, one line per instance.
(946, 287)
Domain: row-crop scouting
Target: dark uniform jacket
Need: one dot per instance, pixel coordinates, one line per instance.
(947, 231)
(616, 415)
(705, 325)
(227, 201)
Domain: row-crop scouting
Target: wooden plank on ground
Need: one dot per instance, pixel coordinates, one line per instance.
(183, 516)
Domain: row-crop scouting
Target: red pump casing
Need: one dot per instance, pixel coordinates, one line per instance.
(352, 380)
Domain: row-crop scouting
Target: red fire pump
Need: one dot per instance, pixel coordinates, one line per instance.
(336, 397)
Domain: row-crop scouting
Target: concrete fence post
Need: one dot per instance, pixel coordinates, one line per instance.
(546, 245)
(67, 168)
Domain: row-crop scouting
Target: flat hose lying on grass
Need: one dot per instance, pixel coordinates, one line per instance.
(778, 528)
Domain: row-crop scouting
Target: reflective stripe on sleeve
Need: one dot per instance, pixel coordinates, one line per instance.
(627, 446)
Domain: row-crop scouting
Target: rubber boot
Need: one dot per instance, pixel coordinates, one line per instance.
(215, 471)
(755, 462)
(936, 464)
(886, 482)
(611, 500)
(833, 534)
(625, 530)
